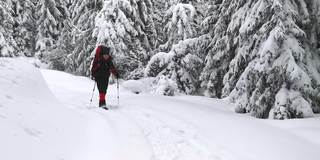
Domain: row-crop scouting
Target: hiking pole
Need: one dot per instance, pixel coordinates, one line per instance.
(94, 87)
(118, 90)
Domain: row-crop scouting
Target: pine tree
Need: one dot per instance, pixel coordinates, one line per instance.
(260, 48)
(83, 13)
(127, 27)
(182, 64)
(24, 30)
(7, 43)
(180, 67)
(50, 21)
(220, 52)
(177, 20)
(180, 24)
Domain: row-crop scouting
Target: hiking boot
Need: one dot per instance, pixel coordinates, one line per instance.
(102, 104)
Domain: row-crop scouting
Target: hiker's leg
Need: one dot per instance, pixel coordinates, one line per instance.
(102, 91)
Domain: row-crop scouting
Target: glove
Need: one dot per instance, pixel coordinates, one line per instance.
(115, 73)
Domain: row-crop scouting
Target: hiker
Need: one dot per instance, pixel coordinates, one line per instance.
(102, 66)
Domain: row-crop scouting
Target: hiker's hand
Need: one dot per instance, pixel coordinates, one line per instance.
(117, 75)
(115, 72)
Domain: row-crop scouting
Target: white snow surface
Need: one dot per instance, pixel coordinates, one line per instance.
(46, 115)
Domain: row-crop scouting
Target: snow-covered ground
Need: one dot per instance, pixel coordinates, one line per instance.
(46, 115)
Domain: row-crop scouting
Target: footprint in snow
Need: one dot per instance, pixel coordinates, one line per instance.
(8, 97)
(172, 142)
(32, 132)
(14, 82)
(2, 116)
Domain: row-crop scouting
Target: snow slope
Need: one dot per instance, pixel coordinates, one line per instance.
(33, 124)
(36, 124)
(188, 127)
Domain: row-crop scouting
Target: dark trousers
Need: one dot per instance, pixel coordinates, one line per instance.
(102, 84)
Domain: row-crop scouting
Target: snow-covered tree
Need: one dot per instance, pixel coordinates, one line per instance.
(50, 16)
(24, 29)
(127, 27)
(79, 34)
(58, 56)
(257, 48)
(220, 50)
(179, 24)
(7, 42)
(179, 66)
(179, 63)
(262, 54)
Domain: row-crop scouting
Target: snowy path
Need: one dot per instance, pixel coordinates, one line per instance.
(49, 119)
(148, 127)
(170, 137)
(138, 124)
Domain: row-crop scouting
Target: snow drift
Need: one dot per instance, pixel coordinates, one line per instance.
(34, 125)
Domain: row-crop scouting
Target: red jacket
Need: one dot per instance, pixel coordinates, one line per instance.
(102, 67)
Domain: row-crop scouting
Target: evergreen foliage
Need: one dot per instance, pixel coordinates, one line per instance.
(24, 29)
(259, 47)
(80, 38)
(262, 54)
(50, 15)
(7, 42)
(127, 27)
(179, 24)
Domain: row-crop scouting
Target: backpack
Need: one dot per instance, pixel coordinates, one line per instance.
(97, 57)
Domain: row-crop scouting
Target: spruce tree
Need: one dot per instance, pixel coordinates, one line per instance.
(82, 24)
(8, 45)
(24, 29)
(50, 15)
(181, 63)
(260, 50)
(179, 67)
(127, 27)
(179, 24)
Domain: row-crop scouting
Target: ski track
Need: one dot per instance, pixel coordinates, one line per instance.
(172, 138)
(168, 136)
